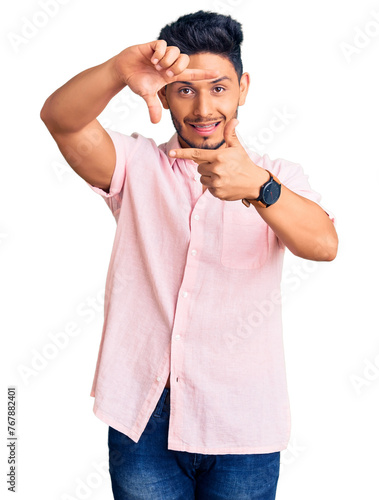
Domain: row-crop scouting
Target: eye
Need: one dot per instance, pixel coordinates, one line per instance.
(218, 89)
(185, 91)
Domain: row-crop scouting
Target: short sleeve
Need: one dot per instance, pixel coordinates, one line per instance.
(293, 177)
(124, 146)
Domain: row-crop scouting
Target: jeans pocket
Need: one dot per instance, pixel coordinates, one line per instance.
(244, 239)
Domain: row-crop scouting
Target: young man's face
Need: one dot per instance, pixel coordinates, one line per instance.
(201, 109)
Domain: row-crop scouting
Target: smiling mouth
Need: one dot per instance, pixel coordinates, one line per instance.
(205, 128)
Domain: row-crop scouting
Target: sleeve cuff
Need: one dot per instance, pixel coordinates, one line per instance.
(118, 178)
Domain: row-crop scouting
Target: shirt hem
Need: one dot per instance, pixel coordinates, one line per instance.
(241, 450)
(107, 419)
(179, 446)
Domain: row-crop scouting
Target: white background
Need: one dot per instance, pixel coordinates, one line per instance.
(56, 234)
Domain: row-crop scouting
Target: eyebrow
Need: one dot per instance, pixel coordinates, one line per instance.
(212, 82)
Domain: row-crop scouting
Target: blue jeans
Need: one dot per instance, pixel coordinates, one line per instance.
(147, 470)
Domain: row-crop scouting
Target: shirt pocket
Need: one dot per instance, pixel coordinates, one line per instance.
(244, 239)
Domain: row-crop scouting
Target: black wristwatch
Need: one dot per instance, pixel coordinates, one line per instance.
(268, 194)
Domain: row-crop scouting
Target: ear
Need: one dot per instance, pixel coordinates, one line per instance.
(162, 97)
(244, 88)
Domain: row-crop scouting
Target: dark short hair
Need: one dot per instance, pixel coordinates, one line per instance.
(206, 32)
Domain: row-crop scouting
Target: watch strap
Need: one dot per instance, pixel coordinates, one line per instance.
(258, 202)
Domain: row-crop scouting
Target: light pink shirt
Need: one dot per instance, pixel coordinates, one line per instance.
(193, 288)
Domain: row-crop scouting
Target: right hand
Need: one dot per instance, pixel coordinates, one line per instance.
(144, 69)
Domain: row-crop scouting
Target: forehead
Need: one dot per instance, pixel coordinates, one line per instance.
(206, 60)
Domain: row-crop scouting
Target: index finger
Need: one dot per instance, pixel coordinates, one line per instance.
(195, 74)
(195, 154)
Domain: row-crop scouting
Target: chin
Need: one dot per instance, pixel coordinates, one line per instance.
(207, 143)
(216, 145)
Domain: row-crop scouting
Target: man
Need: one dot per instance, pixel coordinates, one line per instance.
(190, 375)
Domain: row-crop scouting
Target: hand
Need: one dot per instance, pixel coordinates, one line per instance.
(148, 67)
(227, 172)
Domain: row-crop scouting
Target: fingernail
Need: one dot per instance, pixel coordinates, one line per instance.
(172, 153)
(158, 67)
(155, 61)
(169, 73)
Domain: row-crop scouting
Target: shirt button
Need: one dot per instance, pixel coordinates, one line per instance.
(184, 294)
(159, 379)
(197, 217)
(177, 337)
(193, 252)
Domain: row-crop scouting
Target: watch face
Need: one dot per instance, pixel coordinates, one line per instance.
(271, 192)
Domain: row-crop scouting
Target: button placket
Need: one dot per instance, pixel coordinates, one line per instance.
(184, 297)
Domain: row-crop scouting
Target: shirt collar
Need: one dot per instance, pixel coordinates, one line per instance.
(173, 143)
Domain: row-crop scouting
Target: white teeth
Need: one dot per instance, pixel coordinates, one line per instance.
(205, 126)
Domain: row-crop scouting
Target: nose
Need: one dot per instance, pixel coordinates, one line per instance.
(203, 105)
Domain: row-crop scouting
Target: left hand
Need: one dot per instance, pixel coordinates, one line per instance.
(227, 172)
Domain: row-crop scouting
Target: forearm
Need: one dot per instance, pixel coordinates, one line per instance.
(82, 99)
(302, 225)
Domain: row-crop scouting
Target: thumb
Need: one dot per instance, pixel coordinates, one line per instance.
(155, 108)
(230, 135)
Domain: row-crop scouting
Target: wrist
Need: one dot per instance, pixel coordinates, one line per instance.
(269, 193)
(261, 176)
(117, 70)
